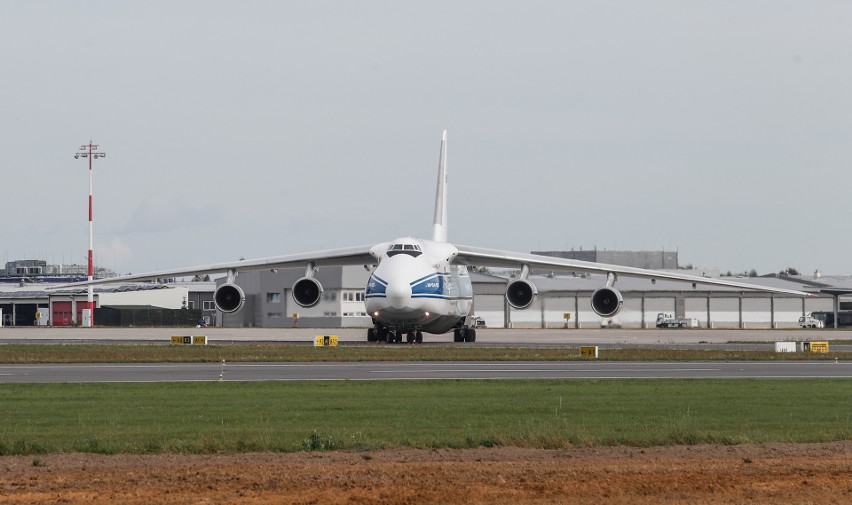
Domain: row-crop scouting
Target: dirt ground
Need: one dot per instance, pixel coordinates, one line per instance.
(771, 474)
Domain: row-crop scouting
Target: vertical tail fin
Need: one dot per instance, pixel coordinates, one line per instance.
(439, 226)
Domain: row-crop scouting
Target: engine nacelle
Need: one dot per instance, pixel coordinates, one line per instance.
(521, 293)
(307, 292)
(607, 301)
(229, 297)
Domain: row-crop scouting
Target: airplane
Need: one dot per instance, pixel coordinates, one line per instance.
(419, 285)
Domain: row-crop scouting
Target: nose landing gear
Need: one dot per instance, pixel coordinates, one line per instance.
(414, 337)
(393, 336)
(464, 334)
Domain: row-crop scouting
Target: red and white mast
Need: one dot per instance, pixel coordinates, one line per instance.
(90, 151)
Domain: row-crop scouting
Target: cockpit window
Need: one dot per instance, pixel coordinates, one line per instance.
(412, 250)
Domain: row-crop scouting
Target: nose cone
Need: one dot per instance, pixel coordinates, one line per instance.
(398, 294)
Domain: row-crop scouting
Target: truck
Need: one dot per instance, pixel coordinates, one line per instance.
(809, 321)
(844, 318)
(666, 320)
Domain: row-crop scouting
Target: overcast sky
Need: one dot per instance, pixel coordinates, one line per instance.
(722, 129)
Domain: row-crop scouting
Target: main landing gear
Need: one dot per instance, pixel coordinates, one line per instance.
(393, 337)
(464, 334)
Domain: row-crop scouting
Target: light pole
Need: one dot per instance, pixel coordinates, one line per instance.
(90, 151)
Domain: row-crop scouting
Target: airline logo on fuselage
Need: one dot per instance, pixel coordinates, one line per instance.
(376, 287)
(435, 285)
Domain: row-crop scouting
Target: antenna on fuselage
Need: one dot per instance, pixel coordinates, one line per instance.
(439, 226)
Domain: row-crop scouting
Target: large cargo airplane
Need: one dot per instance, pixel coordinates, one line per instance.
(418, 285)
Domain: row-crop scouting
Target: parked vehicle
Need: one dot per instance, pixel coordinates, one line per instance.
(809, 321)
(844, 318)
(666, 320)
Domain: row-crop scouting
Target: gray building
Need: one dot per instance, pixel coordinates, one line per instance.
(41, 271)
(654, 260)
(712, 306)
(200, 296)
(269, 302)
(33, 305)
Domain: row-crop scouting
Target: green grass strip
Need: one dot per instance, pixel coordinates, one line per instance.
(283, 416)
(159, 353)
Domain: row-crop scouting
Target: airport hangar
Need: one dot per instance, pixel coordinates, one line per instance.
(31, 304)
(269, 302)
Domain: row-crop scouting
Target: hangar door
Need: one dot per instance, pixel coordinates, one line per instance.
(62, 315)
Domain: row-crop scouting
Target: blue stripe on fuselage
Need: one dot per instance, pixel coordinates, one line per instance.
(376, 287)
(433, 284)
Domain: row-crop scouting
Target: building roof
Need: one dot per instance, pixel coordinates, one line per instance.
(830, 284)
(27, 291)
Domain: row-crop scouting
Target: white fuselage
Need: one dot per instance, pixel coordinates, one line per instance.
(415, 287)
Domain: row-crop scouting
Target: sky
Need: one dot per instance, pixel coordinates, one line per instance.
(720, 129)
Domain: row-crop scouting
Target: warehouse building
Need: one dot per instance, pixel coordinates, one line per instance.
(269, 302)
(563, 301)
(652, 260)
(32, 304)
(566, 301)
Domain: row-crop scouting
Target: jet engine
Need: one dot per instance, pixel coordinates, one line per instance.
(606, 301)
(521, 293)
(229, 297)
(307, 292)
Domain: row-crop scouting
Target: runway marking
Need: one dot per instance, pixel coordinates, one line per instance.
(524, 370)
(496, 378)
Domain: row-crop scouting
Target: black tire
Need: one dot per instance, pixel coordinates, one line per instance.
(457, 335)
(390, 338)
(471, 335)
(418, 337)
(372, 335)
(410, 337)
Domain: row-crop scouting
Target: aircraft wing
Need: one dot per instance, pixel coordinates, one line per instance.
(477, 256)
(334, 257)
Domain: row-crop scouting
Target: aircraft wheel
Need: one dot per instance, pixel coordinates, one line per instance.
(471, 335)
(418, 337)
(372, 335)
(409, 338)
(457, 335)
(390, 338)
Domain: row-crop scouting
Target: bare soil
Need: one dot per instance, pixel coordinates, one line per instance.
(771, 474)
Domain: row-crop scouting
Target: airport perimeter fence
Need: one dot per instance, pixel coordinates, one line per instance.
(146, 317)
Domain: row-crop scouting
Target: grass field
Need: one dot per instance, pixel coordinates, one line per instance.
(271, 416)
(160, 353)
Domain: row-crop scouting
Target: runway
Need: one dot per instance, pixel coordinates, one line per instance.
(373, 371)
(682, 339)
(487, 336)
